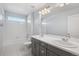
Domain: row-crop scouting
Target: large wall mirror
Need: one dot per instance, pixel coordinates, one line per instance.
(60, 21)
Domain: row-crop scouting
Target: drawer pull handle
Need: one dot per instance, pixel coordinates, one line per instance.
(42, 51)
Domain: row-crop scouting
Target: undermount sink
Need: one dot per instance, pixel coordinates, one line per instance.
(65, 44)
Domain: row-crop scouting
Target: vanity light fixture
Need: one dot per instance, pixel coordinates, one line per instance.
(45, 11)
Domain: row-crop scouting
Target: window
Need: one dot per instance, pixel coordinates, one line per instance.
(16, 19)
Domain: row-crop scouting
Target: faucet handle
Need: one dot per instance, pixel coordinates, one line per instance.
(68, 35)
(65, 39)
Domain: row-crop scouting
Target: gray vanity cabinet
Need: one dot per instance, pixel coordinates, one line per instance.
(40, 48)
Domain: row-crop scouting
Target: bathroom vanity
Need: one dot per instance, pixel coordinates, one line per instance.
(42, 47)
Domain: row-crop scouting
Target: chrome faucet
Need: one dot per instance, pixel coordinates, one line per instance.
(67, 37)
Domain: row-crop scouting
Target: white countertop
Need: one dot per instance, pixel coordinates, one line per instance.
(51, 39)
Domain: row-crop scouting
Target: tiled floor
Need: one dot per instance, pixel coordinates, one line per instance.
(17, 50)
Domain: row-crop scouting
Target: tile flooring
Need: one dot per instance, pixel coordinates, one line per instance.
(17, 50)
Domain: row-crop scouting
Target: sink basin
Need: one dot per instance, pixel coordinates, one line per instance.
(65, 44)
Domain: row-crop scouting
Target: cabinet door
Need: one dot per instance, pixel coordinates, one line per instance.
(42, 51)
(33, 50)
(35, 47)
(37, 50)
(50, 53)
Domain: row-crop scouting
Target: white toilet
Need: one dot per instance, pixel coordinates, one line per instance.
(28, 43)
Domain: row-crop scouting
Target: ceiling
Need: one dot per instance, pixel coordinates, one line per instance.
(25, 8)
(21, 8)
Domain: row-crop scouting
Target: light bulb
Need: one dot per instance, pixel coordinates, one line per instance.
(45, 9)
(43, 13)
(48, 11)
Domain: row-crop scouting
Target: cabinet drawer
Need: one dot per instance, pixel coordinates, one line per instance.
(42, 51)
(37, 50)
(59, 51)
(43, 44)
(50, 53)
(35, 41)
